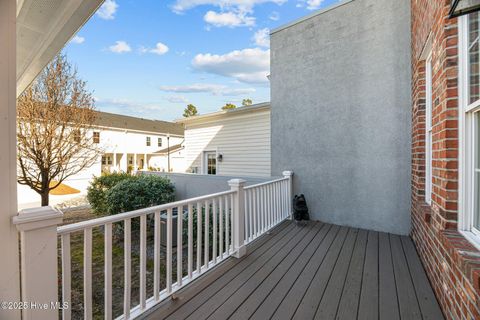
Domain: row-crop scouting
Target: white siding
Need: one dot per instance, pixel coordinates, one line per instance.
(243, 139)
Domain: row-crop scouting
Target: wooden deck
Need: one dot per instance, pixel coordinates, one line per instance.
(314, 271)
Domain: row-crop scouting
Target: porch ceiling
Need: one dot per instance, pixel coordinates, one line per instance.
(43, 29)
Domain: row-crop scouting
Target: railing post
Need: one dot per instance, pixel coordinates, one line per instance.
(39, 261)
(289, 175)
(238, 218)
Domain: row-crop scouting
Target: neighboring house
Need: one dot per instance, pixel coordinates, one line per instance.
(131, 143)
(231, 142)
(128, 144)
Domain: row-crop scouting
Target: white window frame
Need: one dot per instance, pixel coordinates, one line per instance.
(428, 129)
(466, 118)
(205, 162)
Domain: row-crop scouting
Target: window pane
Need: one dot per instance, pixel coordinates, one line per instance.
(473, 56)
(211, 163)
(476, 141)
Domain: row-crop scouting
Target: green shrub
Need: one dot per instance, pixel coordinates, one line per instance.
(97, 191)
(141, 191)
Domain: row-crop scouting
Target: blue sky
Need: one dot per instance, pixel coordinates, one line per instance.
(150, 58)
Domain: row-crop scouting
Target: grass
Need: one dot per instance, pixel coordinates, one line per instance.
(76, 243)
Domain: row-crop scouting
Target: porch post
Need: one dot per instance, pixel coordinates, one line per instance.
(135, 165)
(10, 272)
(124, 162)
(39, 261)
(238, 217)
(115, 161)
(289, 175)
(145, 164)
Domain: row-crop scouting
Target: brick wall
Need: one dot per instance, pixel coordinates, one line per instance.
(452, 263)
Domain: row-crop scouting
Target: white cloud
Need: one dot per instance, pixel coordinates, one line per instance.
(107, 10)
(176, 99)
(274, 16)
(77, 40)
(262, 37)
(314, 4)
(215, 89)
(120, 47)
(247, 65)
(229, 19)
(160, 49)
(242, 5)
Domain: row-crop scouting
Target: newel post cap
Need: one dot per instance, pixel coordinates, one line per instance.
(287, 173)
(36, 218)
(236, 182)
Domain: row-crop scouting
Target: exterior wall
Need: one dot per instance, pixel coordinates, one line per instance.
(121, 141)
(243, 140)
(451, 262)
(340, 90)
(188, 185)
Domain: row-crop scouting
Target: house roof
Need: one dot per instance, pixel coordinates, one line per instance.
(173, 148)
(111, 120)
(229, 112)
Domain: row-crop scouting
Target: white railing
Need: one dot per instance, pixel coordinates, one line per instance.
(210, 229)
(266, 205)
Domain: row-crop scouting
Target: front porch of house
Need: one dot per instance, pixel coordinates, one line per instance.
(312, 271)
(233, 254)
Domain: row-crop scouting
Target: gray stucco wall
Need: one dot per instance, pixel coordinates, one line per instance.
(188, 185)
(340, 90)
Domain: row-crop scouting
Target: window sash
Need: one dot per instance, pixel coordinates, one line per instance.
(469, 106)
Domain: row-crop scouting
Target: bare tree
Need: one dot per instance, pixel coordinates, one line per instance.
(56, 116)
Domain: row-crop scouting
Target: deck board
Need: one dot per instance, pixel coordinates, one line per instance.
(310, 271)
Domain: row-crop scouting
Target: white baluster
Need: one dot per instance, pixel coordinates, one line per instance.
(66, 277)
(206, 249)
(87, 273)
(227, 226)
(179, 246)
(255, 213)
(143, 261)
(128, 266)
(199, 237)
(108, 271)
(156, 255)
(169, 250)
(221, 217)
(190, 240)
(215, 230)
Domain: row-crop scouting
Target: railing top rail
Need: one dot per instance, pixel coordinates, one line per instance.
(136, 213)
(266, 183)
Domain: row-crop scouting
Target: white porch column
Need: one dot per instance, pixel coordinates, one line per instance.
(10, 272)
(115, 168)
(39, 261)
(289, 175)
(135, 165)
(145, 164)
(238, 217)
(124, 163)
